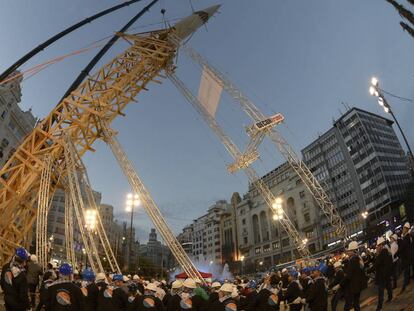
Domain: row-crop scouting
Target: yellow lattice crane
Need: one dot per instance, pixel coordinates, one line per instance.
(81, 119)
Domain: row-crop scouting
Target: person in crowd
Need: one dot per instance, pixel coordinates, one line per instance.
(173, 303)
(225, 301)
(293, 294)
(63, 294)
(34, 271)
(213, 295)
(383, 270)
(113, 297)
(268, 295)
(317, 297)
(394, 251)
(14, 282)
(355, 279)
(90, 290)
(249, 300)
(48, 279)
(337, 285)
(189, 300)
(149, 301)
(406, 253)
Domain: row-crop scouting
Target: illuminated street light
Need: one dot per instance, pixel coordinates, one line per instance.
(261, 263)
(90, 219)
(211, 262)
(364, 214)
(304, 241)
(376, 91)
(242, 258)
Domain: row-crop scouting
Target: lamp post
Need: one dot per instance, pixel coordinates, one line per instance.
(131, 202)
(376, 91)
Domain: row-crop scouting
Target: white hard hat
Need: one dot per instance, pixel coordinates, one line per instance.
(216, 284)
(394, 236)
(226, 287)
(111, 276)
(363, 254)
(164, 282)
(33, 258)
(151, 287)
(125, 278)
(337, 264)
(75, 271)
(380, 240)
(407, 225)
(190, 283)
(177, 284)
(284, 270)
(135, 277)
(100, 276)
(129, 276)
(353, 246)
(235, 292)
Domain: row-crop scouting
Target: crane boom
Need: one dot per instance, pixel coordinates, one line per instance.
(283, 146)
(268, 196)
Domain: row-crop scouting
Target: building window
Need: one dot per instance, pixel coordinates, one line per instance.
(3, 114)
(266, 248)
(275, 245)
(285, 242)
(306, 216)
(245, 240)
(243, 221)
(302, 194)
(257, 250)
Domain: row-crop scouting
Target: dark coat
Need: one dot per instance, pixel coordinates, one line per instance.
(338, 279)
(293, 291)
(91, 300)
(173, 303)
(405, 251)
(64, 296)
(250, 301)
(198, 304)
(15, 294)
(213, 297)
(228, 304)
(265, 301)
(118, 301)
(43, 294)
(318, 296)
(147, 303)
(355, 278)
(383, 267)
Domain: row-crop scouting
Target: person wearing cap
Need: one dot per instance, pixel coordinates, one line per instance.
(383, 269)
(317, 297)
(355, 279)
(225, 301)
(406, 254)
(394, 251)
(14, 282)
(113, 297)
(293, 295)
(249, 299)
(34, 271)
(90, 290)
(213, 295)
(189, 300)
(173, 304)
(149, 301)
(63, 294)
(337, 285)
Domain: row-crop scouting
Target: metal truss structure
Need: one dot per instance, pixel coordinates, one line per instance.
(242, 163)
(305, 174)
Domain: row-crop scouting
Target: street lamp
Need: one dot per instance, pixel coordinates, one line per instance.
(277, 209)
(304, 241)
(376, 91)
(364, 214)
(131, 202)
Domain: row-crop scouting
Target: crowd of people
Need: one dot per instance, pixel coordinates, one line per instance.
(307, 285)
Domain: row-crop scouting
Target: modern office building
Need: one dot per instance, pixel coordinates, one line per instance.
(362, 166)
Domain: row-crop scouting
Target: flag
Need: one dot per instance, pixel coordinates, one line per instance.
(209, 92)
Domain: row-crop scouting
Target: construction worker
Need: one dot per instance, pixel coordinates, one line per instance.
(149, 301)
(90, 290)
(337, 284)
(225, 301)
(189, 300)
(63, 294)
(34, 271)
(213, 296)
(113, 297)
(317, 297)
(14, 282)
(383, 271)
(405, 252)
(173, 303)
(355, 278)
